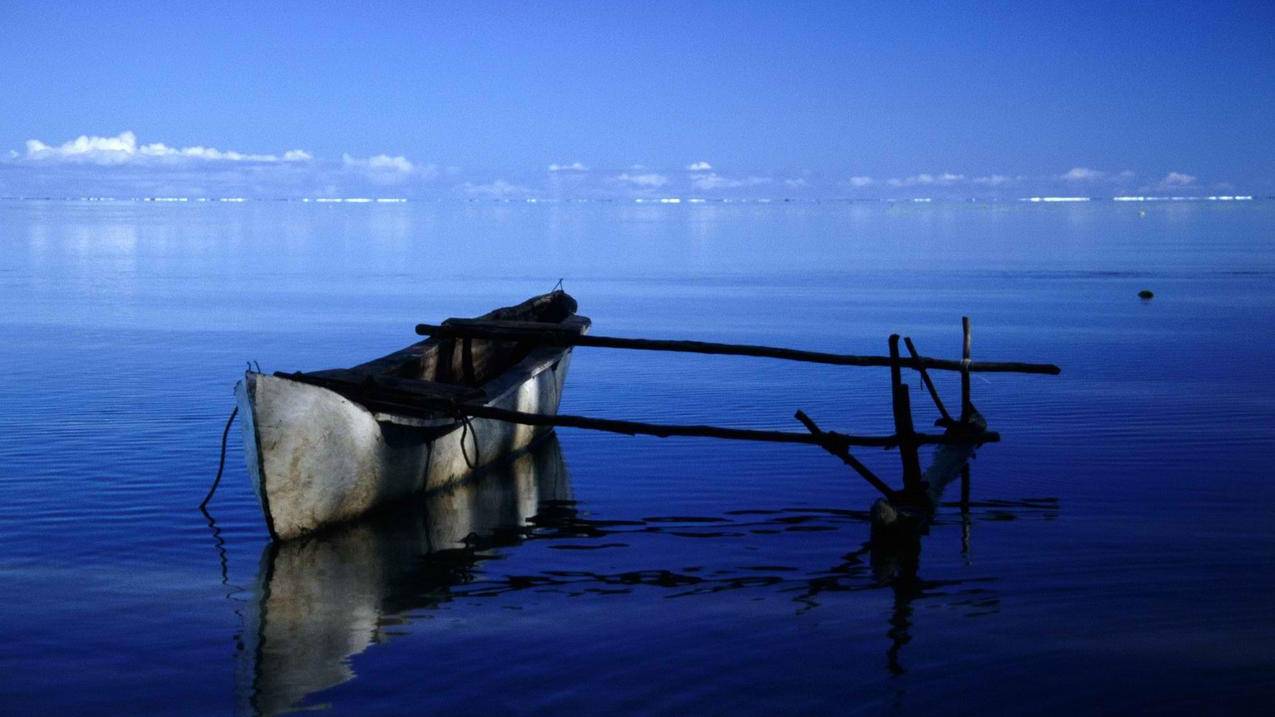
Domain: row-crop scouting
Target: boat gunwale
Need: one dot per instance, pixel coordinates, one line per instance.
(536, 362)
(395, 360)
(538, 359)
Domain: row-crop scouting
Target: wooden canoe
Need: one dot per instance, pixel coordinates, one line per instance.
(324, 447)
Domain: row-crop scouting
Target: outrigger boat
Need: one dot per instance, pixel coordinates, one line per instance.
(324, 447)
(327, 446)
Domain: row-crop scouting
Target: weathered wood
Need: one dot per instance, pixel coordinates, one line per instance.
(929, 385)
(907, 441)
(510, 325)
(427, 399)
(948, 460)
(896, 373)
(905, 521)
(903, 427)
(843, 452)
(556, 335)
(966, 367)
(436, 407)
(666, 430)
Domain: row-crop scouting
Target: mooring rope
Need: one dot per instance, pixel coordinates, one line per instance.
(221, 465)
(466, 422)
(464, 419)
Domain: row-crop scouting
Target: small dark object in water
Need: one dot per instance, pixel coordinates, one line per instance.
(1146, 294)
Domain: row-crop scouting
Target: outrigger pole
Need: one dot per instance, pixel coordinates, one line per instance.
(554, 335)
(920, 490)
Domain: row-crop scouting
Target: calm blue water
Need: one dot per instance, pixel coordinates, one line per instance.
(1118, 556)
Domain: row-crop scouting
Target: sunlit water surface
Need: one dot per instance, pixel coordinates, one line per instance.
(1118, 555)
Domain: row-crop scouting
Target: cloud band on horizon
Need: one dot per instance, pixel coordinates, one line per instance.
(120, 164)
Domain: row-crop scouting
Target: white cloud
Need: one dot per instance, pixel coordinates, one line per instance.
(100, 150)
(124, 149)
(927, 180)
(499, 189)
(643, 180)
(380, 163)
(1083, 174)
(385, 169)
(124, 166)
(993, 180)
(716, 181)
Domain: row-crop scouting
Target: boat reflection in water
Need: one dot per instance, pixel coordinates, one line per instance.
(320, 600)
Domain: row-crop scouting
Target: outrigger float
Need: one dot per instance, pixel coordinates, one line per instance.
(324, 447)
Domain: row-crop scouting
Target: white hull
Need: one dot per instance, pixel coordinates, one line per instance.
(317, 458)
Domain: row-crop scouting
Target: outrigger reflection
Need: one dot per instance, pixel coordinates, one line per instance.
(324, 447)
(321, 601)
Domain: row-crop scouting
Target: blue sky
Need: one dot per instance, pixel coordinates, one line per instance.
(630, 99)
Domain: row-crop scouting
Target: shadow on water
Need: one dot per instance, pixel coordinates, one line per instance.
(318, 602)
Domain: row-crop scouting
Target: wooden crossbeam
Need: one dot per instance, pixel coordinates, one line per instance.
(843, 452)
(902, 409)
(557, 335)
(945, 417)
(665, 430)
(398, 399)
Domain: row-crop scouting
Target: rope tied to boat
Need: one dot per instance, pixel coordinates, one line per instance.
(221, 464)
(466, 422)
